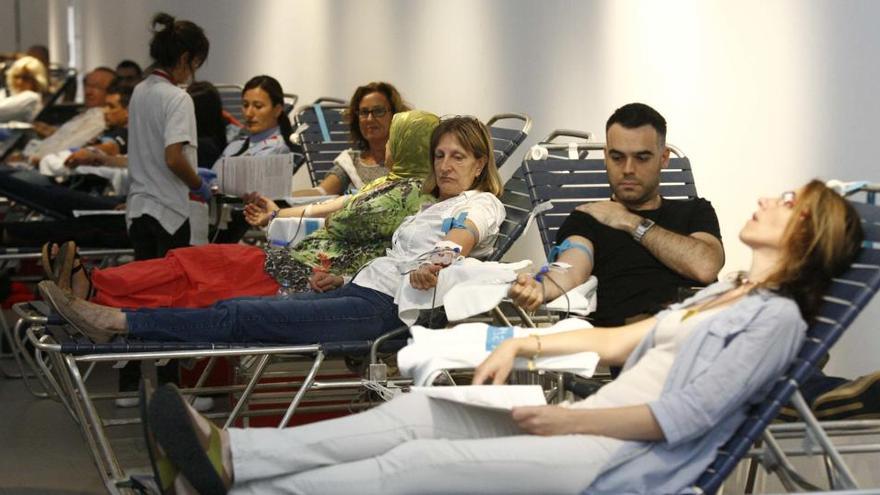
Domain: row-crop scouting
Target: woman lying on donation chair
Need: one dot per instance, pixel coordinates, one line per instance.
(358, 232)
(369, 116)
(690, 374)
(466, 184)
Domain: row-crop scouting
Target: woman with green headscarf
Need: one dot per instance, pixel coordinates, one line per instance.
(358, 229)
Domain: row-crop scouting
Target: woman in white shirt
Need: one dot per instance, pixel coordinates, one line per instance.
(465, 221)
(26, 83)
(162, 142)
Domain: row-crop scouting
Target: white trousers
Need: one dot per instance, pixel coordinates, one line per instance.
(415, 444)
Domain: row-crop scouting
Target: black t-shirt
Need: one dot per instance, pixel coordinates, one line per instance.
(119, 135)
(631, 279)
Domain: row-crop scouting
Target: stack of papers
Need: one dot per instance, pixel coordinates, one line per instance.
(501, 397)
(271, 176)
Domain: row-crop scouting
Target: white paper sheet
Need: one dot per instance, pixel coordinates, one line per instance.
(502, 397)
(271, 176)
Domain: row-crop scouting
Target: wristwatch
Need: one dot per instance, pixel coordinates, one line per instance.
(642, 229)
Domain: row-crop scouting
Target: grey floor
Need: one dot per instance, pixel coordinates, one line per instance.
(41, 448)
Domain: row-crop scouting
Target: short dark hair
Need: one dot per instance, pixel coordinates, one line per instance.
(130, 64)
(209, 110)
(173, 38)
(119, 87)
(634, 115)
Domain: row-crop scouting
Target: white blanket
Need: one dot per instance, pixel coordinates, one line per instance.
(53, 166)
(481, 283)
(467, 345)
(288, 232)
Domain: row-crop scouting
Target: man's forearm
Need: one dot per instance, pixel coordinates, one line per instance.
(694, 258)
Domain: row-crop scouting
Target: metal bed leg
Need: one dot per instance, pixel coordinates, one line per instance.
(64, 398)
(306, 385)
(526, 319)
(845, 476)
(245, 395)
(95, 420)
(780, 464)
(87, 430)
(751, 473)
(500, 315)
(21, 357)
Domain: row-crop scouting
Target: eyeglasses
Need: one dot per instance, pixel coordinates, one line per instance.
(376, 112)
(788, 198)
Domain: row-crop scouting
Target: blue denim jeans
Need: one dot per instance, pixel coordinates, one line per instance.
(349, 313)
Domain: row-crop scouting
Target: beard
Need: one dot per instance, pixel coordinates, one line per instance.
(635, 195)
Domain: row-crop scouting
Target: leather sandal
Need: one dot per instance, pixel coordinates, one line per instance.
(63, 264)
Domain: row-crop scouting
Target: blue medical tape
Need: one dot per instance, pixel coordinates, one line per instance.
(454, 223)
(322, 123)
(555, 251)
(497, 335)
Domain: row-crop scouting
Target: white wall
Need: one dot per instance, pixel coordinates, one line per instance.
(762, 95)
(34, 29)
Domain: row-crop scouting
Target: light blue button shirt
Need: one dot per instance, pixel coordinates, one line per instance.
(268, 142)
(728, 363)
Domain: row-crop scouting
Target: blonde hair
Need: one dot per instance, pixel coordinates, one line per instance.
(32, 69)
(820, 241)
(475, 138)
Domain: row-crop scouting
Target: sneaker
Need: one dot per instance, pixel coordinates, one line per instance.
(856, 399)
(126, 402)
(202, 404)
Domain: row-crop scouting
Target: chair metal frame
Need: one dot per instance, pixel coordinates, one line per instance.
(506, 140)
(845, 299)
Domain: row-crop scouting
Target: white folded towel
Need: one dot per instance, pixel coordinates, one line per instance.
(468, 344)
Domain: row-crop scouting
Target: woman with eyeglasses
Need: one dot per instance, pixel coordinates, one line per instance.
(464, 221)
(26, 83)
(690, 375)
(369, 112)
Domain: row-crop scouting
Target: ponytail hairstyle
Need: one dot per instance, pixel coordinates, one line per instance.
(820, 241)
(172, 39)
(276, 95)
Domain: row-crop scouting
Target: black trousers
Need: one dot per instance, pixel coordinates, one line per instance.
(150, 240)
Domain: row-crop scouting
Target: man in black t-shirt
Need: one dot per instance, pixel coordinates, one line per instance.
(643, 248)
